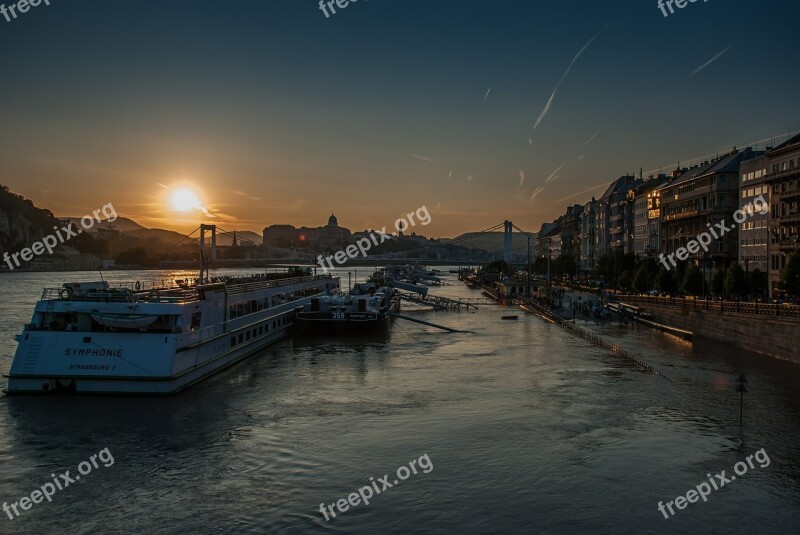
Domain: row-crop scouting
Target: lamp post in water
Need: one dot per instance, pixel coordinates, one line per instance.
(742, 380)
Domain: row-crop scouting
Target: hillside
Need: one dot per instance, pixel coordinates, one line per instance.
(21, 223)
(491, 241)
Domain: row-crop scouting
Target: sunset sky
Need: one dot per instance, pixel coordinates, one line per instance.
(270, 113)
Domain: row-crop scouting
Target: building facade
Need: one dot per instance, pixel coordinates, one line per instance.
(754, 231)
(784, 222)
(696, 200)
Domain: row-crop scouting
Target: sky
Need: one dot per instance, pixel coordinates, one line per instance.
(249, 113)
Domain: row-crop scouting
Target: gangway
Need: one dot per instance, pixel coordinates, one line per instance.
(439, 302)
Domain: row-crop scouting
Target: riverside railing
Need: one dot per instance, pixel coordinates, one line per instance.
(762, 309)
(589, 336)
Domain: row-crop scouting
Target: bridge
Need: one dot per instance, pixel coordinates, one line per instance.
(263, 256)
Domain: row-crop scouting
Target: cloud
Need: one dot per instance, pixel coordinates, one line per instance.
(563, 77)
(423, 158)
(521, 178)
(709, 62)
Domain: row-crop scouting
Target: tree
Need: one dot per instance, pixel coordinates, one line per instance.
(565, 265)
(604, 268)
(135, 256)
(666, 282)
(718, 282)
(736, 280)
(693, 281)
(641, 280)
(540, 266)
(758, 282)
(625, 280)
(790, 275)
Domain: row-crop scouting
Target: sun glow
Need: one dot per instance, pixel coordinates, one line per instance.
(184, 200)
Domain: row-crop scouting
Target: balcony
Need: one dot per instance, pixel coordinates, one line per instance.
(782, 174)
(682, 215)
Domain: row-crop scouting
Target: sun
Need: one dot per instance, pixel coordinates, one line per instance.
(184, 200)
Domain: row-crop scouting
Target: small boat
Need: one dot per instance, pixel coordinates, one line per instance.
(125, 321)
(366, 307)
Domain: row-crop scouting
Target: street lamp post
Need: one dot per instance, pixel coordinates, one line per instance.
(528, 287)
(549, 253)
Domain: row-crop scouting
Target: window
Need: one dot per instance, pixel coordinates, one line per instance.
(233, 341)
(195, 325)
(241, 338)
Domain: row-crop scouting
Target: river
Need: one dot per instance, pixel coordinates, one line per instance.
(527, 429)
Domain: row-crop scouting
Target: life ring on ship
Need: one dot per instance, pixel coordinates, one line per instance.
(153, 295)
(65, 293)
(138, 286)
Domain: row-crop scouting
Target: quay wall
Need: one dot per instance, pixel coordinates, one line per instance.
(777, 337)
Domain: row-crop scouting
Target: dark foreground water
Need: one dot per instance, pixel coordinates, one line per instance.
(527, 429)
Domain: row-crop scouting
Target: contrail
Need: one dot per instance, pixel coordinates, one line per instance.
(553, 96)
(709, 62)
(554, 174)
(521, 178)
(536, 192)
(573, 195)
(591, 138)
(487, 95)
(423, 158)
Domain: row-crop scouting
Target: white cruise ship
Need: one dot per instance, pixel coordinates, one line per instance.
(88, 338)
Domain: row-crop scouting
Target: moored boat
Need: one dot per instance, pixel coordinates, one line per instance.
(90, 338)
(367, 307)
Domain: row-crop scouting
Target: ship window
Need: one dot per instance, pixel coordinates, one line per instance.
(274, 324)
(233, 341)
(195, 321)
(241, 338)
(247, 335)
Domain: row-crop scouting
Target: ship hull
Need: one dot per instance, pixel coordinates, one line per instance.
(220, 327)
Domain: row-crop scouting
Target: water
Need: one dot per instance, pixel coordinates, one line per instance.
(528, 429)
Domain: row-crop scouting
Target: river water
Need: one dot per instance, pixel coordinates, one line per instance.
(527, 429)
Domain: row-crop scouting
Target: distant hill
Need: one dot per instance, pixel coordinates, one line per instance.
(22, 223)
(245, 238)
(490, 241)
(166, 236)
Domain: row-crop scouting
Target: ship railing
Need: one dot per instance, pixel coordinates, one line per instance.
(263, 285)
(64, 294)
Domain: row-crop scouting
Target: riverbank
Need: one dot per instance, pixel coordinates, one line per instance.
(755, 327)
